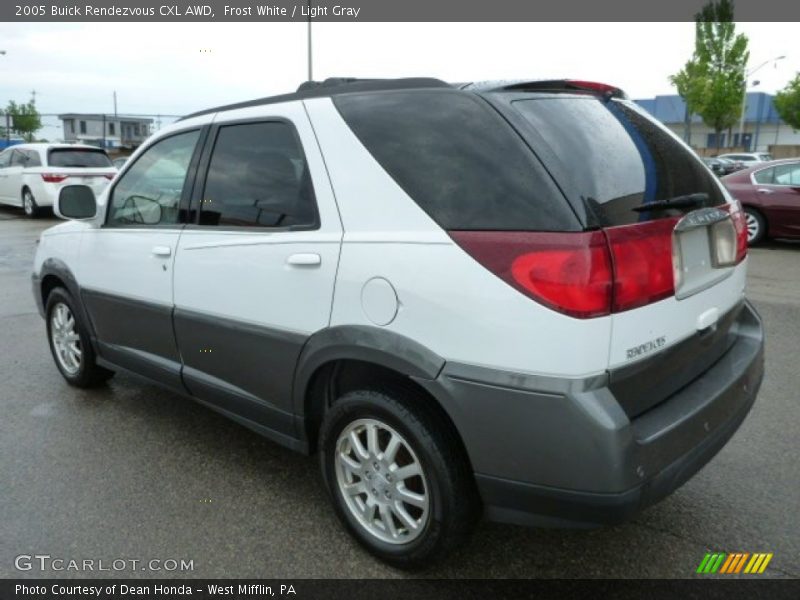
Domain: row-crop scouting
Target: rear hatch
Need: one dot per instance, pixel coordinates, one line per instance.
(675, 237)
(76, 165)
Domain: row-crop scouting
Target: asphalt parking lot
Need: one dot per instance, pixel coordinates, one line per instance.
(132, 472)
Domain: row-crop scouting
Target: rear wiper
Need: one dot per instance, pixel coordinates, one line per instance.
(687, 201)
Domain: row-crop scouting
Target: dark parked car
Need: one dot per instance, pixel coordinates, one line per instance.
(729, 165)
(716, 165)
(770, 194)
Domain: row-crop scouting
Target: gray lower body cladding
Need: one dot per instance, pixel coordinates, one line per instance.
(565, 453)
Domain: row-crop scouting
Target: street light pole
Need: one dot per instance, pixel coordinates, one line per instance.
(310, 70)
(744, 93)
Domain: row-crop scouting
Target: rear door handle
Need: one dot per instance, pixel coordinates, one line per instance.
(764, 191)
(162, 251)
(308, 259)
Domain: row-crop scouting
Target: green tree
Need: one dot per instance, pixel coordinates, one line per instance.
(713, 81)
(25, 119)
(787, 103)
(690, 83)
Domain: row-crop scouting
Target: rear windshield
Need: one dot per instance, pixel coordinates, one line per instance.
(78, 157)
(616, 156)
(458, 160)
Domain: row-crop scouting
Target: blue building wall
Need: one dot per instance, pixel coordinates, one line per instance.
(672, 109)
(5, 144)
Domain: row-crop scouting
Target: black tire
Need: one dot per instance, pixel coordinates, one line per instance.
(454, 506)
(88, 374)
(756, 218)
(29, 206)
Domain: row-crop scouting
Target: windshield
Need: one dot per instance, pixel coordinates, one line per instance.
(78, 157)
(617, 156)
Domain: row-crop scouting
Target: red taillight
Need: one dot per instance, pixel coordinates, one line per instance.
(54, 177)
(585, 274)
(569, 272)
(740, 224)
(642, 258)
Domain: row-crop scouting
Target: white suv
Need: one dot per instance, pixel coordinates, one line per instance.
(31, 175)
(518, 299)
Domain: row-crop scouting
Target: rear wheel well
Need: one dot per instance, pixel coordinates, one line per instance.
(336, 378)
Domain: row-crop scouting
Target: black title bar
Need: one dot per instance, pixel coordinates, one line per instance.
(385, 10)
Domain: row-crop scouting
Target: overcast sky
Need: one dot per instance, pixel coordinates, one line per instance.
(159, 67)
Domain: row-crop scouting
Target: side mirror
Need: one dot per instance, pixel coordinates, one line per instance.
(75, 202)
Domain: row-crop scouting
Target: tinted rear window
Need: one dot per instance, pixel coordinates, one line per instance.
(458, 160)
(617, 157)
(78, 157)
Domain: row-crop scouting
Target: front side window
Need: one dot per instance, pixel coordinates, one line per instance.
(5, 158)
(765, 176)
(258, 177)
(18, 159)
(149, 193)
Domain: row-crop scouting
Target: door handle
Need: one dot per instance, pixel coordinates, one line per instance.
(764, 191)
(308, 259)
(162, 251)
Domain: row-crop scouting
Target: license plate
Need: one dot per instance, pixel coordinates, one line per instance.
(703, 249)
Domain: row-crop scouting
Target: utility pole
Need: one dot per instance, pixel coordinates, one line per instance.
(310, 69)
(104, 130)
(115, 104)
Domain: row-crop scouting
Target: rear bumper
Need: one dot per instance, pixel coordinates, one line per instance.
(573, 457)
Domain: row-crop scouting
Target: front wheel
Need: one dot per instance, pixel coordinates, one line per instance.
(70, 344)
(398, 481)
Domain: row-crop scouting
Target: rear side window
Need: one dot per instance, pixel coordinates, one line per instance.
(258, 177)
(458, 160)
(617, 156)
(78, 157)
(787, 174)
(33, 159)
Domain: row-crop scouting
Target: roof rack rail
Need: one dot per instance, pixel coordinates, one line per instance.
(333, 86)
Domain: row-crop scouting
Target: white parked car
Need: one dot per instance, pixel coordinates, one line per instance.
(524, 300)
(31, 175)
(748, 158)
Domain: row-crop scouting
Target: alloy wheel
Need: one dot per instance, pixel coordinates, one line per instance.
(752, 227)
(382, 481)
(27, 203)
(65, 338)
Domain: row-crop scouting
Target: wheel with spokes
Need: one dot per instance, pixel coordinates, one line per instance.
(399, 484)
(70, 344)
(29, 205)
(756, 226)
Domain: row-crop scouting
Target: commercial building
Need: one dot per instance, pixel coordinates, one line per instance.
(107, 131)
(763, 128)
